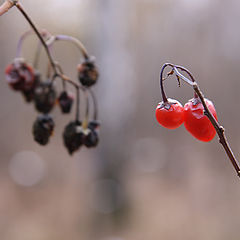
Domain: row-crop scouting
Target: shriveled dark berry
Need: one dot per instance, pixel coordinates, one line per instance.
(65, 101)
(91, 138)
(20, 75)
(29, 94)
(87, 73)
(43, 129)
(73, 136)
(94, 124)
(44, 97)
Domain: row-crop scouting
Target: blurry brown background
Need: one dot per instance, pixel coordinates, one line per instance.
(142, 181)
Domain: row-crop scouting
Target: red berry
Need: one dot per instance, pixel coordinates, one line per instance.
(20, 75)
(196, 122)
(170, 114)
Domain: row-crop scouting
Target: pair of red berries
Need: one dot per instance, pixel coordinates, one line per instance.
(172, 114)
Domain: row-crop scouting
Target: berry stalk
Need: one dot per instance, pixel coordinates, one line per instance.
(20, 8)
(74, 40)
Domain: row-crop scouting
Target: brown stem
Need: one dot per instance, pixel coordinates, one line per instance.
(164, 97)
(20, 8)
(6, 6)
(85, 120)
(74, 40)
(219, 129)
(95, 114)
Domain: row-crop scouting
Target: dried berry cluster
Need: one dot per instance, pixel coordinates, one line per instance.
(22, 77)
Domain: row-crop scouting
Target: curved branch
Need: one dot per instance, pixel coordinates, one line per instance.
(20, 8)
(74, 40)
(161, 83)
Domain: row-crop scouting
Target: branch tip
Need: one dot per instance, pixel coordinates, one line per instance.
(6, 6)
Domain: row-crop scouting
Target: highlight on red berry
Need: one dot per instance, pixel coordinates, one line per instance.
(170, 114)
(196, 122)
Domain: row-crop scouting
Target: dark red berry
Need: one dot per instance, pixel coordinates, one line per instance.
(73, 136)
(43, 129)
(65, 101)
(87, 73)
(20, 75)
(44, 97)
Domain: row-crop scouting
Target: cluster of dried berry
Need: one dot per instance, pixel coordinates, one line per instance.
(24, 78)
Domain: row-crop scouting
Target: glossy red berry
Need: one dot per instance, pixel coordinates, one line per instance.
(196, 122)
(170, 114)
(19, 75)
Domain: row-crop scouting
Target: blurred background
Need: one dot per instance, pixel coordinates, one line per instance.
(142, 181)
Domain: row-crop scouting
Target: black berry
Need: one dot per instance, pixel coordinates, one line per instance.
(73, 136)
(44, 97)
(94, 125)
(43, 129)
(87, 73)
(65, 101)
(29, 94)
(91, 138)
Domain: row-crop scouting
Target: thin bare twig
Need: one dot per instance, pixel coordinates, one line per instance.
(74, 40)
(6, 6)
(20, 8)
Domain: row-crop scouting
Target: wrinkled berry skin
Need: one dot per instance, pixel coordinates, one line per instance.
(20, 75)
(43, 129)
(29, 94)
(44, 97)
(73, 136)
(91, 138)
(65, 101)
(87, 73)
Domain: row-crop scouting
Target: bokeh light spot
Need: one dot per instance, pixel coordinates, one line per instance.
(27, 168)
